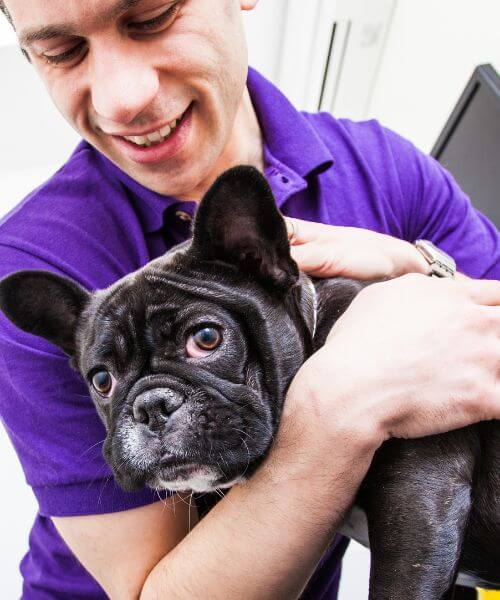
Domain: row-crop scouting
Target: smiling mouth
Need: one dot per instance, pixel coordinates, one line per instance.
(157, 136)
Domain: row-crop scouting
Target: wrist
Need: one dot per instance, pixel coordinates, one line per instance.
(321, 425)
(410, 260)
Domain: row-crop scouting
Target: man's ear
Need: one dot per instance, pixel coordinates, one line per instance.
(44, 304)
(238, 222)
(248, 4)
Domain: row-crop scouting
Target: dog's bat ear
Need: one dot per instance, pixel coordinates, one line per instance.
(44, 304)
(238, 222)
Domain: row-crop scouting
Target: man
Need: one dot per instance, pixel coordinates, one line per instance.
(160, 92)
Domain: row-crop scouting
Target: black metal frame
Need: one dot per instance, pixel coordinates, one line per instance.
(484, 77)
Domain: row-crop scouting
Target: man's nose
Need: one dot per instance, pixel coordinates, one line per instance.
(122, 86)
(154, 407)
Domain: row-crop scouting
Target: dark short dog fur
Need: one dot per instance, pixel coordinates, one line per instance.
(204, 421)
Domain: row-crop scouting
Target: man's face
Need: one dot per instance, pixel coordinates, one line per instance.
(133, 68)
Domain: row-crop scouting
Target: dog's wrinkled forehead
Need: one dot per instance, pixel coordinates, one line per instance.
(119, 315)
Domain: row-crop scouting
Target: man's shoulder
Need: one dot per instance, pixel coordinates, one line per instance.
(367, 139)
(71, 223)
(375, 169)
(66, 192)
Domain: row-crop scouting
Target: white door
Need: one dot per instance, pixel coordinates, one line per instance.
(331, 51)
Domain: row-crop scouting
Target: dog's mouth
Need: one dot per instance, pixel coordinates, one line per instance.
(178, 475)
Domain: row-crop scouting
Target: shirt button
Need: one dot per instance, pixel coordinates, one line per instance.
(183, 216)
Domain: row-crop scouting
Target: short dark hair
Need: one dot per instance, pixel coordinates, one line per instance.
(3, 8)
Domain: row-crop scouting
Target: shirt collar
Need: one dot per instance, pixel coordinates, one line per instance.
(150, 205)
(287, 133)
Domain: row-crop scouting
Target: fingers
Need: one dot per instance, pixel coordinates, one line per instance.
(306, 257)
(292, 229)
(485, 292)
(301, 232)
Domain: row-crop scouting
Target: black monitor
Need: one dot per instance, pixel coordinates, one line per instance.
(469, 145)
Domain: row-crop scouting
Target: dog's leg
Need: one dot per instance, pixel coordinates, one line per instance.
(418, 497)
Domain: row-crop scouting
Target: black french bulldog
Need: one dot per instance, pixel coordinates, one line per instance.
(188, 361)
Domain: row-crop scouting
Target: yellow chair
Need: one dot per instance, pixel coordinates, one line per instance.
(488, 595)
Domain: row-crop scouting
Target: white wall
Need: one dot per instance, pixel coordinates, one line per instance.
(265, 28)
(7, 35)
(432, 49)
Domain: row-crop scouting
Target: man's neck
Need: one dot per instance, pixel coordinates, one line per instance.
(245, 146)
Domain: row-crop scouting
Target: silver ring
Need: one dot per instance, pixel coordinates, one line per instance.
(293, 235)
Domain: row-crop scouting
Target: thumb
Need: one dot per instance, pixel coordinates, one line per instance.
(310, 258)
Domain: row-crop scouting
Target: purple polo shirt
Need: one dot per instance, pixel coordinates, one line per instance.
(92, 222)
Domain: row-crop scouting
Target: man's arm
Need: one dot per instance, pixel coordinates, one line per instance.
(265, 537)
(120, 549)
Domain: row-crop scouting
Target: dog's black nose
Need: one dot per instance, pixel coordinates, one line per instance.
(154, 407)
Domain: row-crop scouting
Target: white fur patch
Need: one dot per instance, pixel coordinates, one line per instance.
(314, 297)
(203, 480)
(134, 447)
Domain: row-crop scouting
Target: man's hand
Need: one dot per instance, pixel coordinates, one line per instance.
(329, 251)
(410, 357)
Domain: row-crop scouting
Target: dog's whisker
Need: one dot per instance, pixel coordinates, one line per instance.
(91, 447)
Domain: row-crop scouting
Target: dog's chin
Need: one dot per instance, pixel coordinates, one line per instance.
(191, 477)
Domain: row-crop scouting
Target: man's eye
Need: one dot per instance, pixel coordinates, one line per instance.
(70, 56)
(156, 22)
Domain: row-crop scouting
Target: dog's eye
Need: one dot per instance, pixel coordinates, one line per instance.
(207, 338)
(104, 383)
(203, 342)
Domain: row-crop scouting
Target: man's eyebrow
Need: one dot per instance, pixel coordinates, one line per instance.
(49, 32)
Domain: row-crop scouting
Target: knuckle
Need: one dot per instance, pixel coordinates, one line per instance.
(480, 396)
(414, 278)
(334, 264)
(487, 320)
(471, 319)
(487, 356)
(482, 393)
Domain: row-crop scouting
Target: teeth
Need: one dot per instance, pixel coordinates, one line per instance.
(138, 139)
(154, 137)
(164, 131)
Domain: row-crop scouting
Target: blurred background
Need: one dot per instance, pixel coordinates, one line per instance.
(402, 62)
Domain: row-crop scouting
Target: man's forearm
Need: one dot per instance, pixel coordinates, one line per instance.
(265, 538)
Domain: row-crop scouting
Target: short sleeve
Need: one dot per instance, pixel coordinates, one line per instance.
(79, 225)
(439, 210)
(52, 423)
